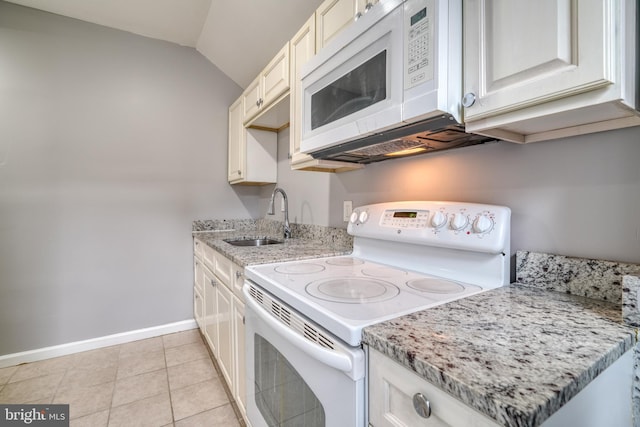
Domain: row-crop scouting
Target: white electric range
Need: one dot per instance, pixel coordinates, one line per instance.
(306, 317)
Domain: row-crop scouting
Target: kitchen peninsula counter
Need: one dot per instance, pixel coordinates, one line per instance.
(516, 354)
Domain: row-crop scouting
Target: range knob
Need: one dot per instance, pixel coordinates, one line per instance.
(354, 217)
(482, 224)
(459, 221)
(438, 220)
(364, 216)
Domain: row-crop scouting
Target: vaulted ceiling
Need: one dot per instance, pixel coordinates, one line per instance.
(238, 36)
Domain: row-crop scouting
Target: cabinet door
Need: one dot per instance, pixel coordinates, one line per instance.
(223, 269)
(392, 388)
(332, 16)
(237, 278)
(198, 275)
(303, 47)
(239, 349)
(225, 337)
(520, 53)
(251, 99)
(236, 143)
(210, 313)
(275, 77)
(198, 309)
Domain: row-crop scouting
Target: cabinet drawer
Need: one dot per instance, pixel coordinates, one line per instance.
(208, 256)
(391, 391)
(198, 248)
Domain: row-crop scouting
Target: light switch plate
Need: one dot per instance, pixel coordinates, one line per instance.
(347, 208)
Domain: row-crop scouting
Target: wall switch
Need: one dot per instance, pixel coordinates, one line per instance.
(347, 208)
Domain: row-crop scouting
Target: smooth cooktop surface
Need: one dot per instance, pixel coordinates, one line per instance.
(345, 294)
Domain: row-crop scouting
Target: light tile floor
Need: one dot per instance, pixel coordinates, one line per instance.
(163, 381)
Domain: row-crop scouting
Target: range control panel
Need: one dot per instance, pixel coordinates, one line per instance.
(405, 219)
(456, 225)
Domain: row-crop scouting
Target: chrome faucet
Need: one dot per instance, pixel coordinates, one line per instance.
(271, 211)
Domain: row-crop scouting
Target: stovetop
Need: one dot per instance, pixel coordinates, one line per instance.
(345, 294)
(407, 256)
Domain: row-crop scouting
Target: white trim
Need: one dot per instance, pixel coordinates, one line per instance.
(94, 343)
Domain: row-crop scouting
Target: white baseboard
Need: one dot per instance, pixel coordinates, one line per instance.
(94, 343)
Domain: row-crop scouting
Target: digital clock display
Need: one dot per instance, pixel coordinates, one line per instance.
(418, 16)
(405, 214)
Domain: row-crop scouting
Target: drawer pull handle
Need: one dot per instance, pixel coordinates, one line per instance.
(421, 405)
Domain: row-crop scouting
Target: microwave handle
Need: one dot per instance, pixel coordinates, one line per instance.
(329, 358)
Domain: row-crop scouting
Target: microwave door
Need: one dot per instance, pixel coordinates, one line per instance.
(357, 90)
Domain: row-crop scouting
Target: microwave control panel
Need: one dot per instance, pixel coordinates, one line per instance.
(419, 32)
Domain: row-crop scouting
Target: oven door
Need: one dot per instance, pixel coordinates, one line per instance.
(354, 86)
(291, 379)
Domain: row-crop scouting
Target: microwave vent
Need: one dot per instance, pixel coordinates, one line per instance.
(435, 134)
(387, 147)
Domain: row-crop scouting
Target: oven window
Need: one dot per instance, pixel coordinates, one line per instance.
(282, 396)
(358, 89)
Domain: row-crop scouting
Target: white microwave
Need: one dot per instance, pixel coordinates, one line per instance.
(388, 85)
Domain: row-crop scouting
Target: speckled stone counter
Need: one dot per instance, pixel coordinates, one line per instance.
(516, 354)
(308, 241)
(590, 278)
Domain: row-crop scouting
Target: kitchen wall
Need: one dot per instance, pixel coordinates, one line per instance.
(110, 145)
(578, 196)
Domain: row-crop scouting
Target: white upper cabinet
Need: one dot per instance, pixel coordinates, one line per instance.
(266, 89)
(545, 69)
(302, 49)
(252, 156)
(236, 143)
(332, 16)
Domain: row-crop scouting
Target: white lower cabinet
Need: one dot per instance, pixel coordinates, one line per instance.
(225, 338)
(210, 314)
(219, 304)
(198, 291)
(392, 388)
(238, 345)
(198, 308)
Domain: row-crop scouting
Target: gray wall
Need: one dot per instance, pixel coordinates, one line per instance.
(310, 200)
(578, 196)
(110, 145)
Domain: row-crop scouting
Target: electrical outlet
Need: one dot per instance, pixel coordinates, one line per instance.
(282, 204)
(347, 208)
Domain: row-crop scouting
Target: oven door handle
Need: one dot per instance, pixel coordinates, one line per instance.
(328, 357)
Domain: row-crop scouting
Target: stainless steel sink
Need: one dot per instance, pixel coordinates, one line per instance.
(253, 242)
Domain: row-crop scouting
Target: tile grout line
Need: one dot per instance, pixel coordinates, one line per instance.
(55, 392)
(115, 380)
(164, 353)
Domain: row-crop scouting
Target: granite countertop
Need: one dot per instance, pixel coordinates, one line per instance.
(312, 243)
(516, 354)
